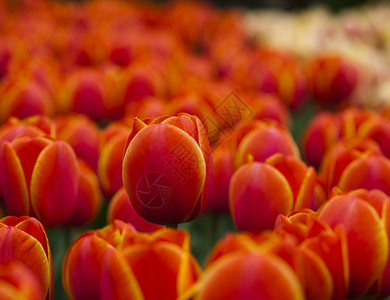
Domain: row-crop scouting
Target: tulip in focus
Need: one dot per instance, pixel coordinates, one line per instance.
(23, 240)
(167, 169)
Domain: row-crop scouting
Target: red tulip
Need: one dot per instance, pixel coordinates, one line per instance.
(258, 193)
(82, 134)
(170, 182)
(89, 197)
(19, 282)
(120, 208)
(39, 177)
(116, 262)
(276, 139)
(366, 236)
(24, 240)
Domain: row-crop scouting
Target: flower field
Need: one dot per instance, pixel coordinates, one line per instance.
(184, 151)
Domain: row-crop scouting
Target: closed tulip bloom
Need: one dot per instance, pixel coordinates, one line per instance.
(258, 193)
(120, 208)
(301, 178)
(39, 177)
(257, 275)
(23, 240)
(319, 135)
(261, 139)
(366, 237)
(369, 172)
(89, 197)
(112, 141)
(167, 169)
(82, 134)
(223, 171)
(117, 262)
(18, 282)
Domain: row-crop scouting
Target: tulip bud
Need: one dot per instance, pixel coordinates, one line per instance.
(120, 208)
(247, 135)
(24, 240)
(170, 182)
(258, 193)
(39, 177)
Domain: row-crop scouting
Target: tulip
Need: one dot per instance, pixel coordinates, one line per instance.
(319, 238)
(331, 78)
(18, 282)
(258, 193)
(149, 107)
(319, 135)
(89, 197)
(265, 274)
(24, 240)
(301, 178)
(366, 236)
(246, 139)
(120, 208)
(341, 155)
(112, 141)
(116, 262)
(23, 99)
(39, 177)
(170, 182)
(82, 134)
(223, 171)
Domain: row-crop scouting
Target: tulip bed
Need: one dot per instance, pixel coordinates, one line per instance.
(181, 151)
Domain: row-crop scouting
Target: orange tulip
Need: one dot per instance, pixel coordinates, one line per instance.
(120, 208)
(39, 177)
(258, 193)
(170, 182)
(82, 134)
(25, 98)
(23, 240)
(18, 282)
(257, 275)
(112, 141)
(366, 236)
(89, 197)
(116, 262)
(301, 178)
(331, 78)
(247, 135)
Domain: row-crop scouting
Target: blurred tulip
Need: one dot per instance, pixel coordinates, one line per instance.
(340, 155)
(112, 141)
(331, 79)
(223, 171)
(18, 282)
(247, 135)
(176, 188)
(89, 197)
(39, 177)
(120, 208)
(116, 262)
(258, 193)
(149, 107)
(319, 135)
(266, 273)
(24, 99)
(23, 240)
(366, 236)
(82, 134)
(301, 178)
